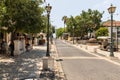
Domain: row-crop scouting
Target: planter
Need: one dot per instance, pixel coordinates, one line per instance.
(41, 42)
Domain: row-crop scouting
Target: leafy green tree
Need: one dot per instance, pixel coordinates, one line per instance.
(95, 17)
(87, 21)
(102, 32)
(22, 16)
(2, 11)
(78, 28)
(71, 24)
(91, 20)
(59, 32)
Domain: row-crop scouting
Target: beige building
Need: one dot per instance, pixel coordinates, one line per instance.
(116, 30)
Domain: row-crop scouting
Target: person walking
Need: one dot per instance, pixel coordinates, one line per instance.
(3, 46)
(11, 48)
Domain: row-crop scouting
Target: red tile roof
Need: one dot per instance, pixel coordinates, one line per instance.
(108, 24)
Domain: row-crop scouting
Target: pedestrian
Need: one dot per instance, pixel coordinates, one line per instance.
(27, 46)
(3, 46)
(11, 48)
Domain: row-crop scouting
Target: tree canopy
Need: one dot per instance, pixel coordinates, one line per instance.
(87, 21)
(59, 32)
(22, 15)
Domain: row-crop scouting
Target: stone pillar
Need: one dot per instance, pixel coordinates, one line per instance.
(45, 63)
(17, 47)
(48, 63)
(24, 49)
(30, 42)
(22, 46)
(95, 50)
(36, 42)
(51, 63)
(81, 46)
(86, 47)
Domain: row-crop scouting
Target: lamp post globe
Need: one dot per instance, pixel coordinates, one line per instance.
(73, 33)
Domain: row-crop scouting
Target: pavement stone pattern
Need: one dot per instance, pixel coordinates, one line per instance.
(21, 67)
(29, 65)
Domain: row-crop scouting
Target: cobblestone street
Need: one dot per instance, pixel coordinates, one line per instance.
(26, 65)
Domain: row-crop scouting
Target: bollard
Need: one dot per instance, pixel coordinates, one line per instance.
(51, 63)
(95, 50)
(45, 63)
(48, 63)
(81, 46)
(86, 47)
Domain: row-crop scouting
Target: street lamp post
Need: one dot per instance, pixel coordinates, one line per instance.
(73, 33)
(64, 26)
(111, 10)
(48, 9)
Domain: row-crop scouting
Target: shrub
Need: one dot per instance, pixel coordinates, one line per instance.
(103, 31)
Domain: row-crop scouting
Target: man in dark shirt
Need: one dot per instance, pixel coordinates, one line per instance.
(12, 48)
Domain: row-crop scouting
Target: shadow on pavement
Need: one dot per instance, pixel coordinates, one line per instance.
(21, 66)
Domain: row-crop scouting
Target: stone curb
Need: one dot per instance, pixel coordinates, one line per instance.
(95, 49)
(97, 52)
(57, 63)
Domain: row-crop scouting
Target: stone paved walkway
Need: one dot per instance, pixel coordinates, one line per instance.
(24, 66)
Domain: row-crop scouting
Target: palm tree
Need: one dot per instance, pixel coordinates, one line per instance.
(70, 24)
(64, 18)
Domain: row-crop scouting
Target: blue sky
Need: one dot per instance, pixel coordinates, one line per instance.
(75, 7)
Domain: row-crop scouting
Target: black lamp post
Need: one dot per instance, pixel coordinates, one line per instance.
(111, 10)
(48, 9)
(73, 33)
